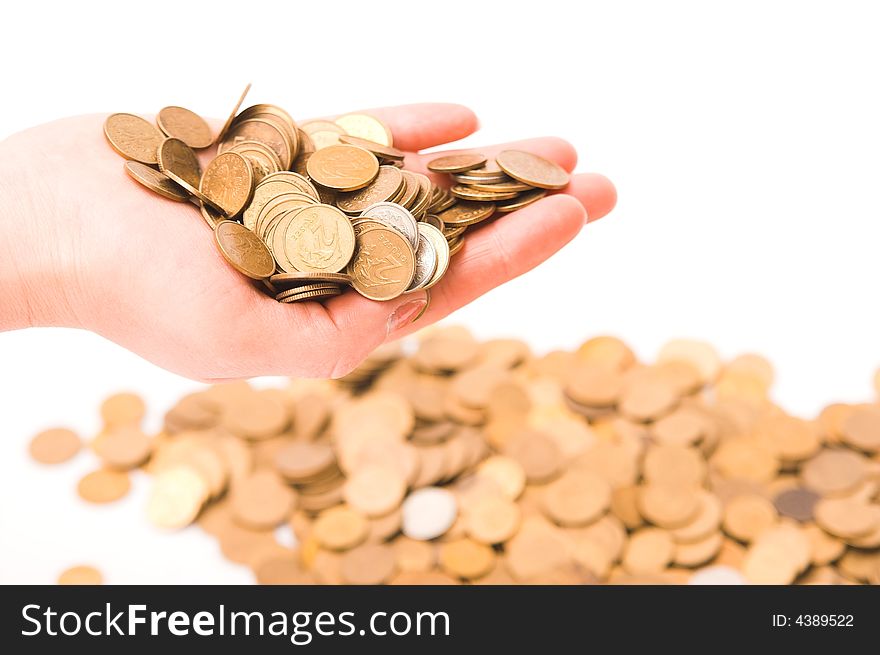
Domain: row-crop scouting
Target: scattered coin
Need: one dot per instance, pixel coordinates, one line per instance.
(458, 461)
(81, 575)
(103, 486)
(55, 446)
(428, 513)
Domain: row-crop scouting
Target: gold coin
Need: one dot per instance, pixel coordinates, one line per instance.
(466, 213)
(185, 125)
(847, 518)
(506, 473)
(383, 265)
(492, 519)
(413, 556)
(317, 239)
(243, 250)
(747, 516)
(156, 181)
(261, 501)
(343, 167)
(456, 163)
(538, 455)
(465, 558)
(366, 127)
(375, 490)
(368, 565)
(103, 486)
(123, 448)
(262, 131)
(834, 472)
(324, 139)
(178, 161)
(472, 194)
(81, 575)
(668, 505)
(263, 160)
(176, 498)
(381, 151)
(340, 528)
(222, 133)
(862, 429)
(522, 200)
(122, 409)
(386, 185)
(55, 446)
(228, 182)
(299, 278)
(504, 187)
(577, 498)
(319, 125)
(532, 169)
(133, 137)
(649, 550)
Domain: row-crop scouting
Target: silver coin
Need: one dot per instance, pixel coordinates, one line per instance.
(426, 262)
(395, 217)
(441, 248)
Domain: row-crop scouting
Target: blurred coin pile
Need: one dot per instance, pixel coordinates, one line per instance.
(313, 208)
(459, 461)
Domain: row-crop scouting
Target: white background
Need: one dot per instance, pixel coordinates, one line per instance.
(744, 142)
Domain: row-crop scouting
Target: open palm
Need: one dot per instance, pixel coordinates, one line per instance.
(144, 272)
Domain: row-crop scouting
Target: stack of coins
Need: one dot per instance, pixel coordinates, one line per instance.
(311, 209)
(515, 179)
(470, 462)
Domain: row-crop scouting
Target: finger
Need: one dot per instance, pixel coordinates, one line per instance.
(491, 256)
(427, 124)
(595, 192)
(549, 147)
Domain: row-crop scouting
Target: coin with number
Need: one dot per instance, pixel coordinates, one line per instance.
(319, 239)
(244, 250)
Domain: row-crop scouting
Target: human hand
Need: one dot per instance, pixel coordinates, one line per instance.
(83, 246)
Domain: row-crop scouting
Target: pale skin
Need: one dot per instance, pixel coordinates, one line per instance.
(84, 246)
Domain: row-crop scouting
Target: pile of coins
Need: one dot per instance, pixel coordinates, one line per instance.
(311, 209)
(447, 460)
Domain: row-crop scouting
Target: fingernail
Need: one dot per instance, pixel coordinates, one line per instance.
(405, 314)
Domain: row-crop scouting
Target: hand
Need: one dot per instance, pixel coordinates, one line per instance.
(82, 245)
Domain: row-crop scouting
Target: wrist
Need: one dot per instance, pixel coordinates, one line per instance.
(38, 281)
